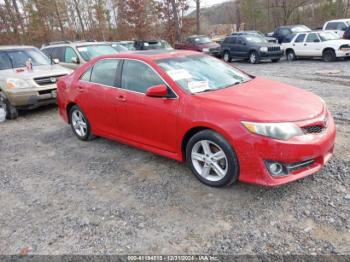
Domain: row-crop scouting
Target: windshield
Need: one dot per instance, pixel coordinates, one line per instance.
(200, 73)
(18, 58)
(119, 47)
(90, 51)
(326, 36)
(300, 28)
(202, 40)
(255, 39)
(128, 45)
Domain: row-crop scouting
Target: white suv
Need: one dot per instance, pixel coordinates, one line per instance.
(338, 26)
(324, 44)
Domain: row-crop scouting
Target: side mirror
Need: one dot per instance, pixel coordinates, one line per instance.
(75, 60)
(55, 61)
(157, 91)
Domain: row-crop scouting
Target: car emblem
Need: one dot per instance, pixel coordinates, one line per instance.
(53, 79)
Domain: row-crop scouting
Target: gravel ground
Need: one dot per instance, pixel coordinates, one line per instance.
(59, 195)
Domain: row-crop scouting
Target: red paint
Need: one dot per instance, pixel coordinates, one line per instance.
(157, 91)
(159, 125)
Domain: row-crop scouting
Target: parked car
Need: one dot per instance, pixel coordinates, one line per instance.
(200, 43)
(323, 44)
(119, 47)
(281, 32)
(73, 54)
(27, 79)
(252, 47)
(338, 26)
(268, 38)
(152, 44)
(225, 124)
(128, 44)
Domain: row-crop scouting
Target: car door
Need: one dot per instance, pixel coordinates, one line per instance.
(298, 45)
(98, 96)
(70, 59)
(147, 120)
(313, 45)
(242, 47)
(233, 46)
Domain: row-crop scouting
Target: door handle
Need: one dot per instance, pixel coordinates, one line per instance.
(121, 98)
(80, 88)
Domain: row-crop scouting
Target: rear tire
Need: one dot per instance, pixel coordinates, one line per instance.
(254, 57)
(80, 124)
(329, 55)
(291, 55)
(10, 110)
(227, 57)
(212, 159)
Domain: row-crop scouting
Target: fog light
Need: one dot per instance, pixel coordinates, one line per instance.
(275, 168)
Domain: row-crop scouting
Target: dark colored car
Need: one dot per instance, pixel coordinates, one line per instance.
(200, 43)
(268, 38)
(283, 31)
(152, 44)
(252, 47)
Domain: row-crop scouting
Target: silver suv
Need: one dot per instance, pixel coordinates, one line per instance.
(27, 78)
(73, 54)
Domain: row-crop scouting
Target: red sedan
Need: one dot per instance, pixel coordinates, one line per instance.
(227, 125)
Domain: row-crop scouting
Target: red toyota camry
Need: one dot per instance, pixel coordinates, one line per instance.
(227, 125)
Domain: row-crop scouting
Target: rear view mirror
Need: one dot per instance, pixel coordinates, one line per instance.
(75, 60)
(157, 91)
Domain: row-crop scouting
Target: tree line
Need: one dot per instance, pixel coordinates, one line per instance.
(40, 21)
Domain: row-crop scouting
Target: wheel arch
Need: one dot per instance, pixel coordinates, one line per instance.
(328, 48)
(68, 108)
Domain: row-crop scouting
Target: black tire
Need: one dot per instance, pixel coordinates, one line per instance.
(275, 60)
(231, 162)
(329, 55)
(10, 110)
(254, 57)
(227, 57)
(291, 55)
(83, 136)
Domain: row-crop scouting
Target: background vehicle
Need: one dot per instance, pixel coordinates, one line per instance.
(127, 44)
(152, 44)
(22, 88)
(200, 43)
(281, 32)
(268, 38)
(73, 54)
(119, 47)
(225, 124)
(323, 44)
(252, 47)
(338, 26)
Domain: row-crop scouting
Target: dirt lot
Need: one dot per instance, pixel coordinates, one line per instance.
(59, 195)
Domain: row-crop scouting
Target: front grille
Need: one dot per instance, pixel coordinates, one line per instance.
(274, 49)
(47, 80)
(313, 129)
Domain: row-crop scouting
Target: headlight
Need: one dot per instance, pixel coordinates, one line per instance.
(281, 131)
(205, 50)
(263, 49)
(16, 83)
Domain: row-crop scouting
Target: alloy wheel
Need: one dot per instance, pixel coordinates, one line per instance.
(252, 58)
(79, 123)
(209, 160)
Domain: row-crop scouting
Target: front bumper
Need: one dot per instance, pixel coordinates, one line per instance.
(254, 150)
(32, 97)
(345, 53)
(271, 55)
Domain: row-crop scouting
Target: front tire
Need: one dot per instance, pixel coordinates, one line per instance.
(329, 55)
(212, 159)
(291, 56)
(80, 124)
(227, 57)
(10, 110)
(254, 57)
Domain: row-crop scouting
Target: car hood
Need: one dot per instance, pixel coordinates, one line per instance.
(38, 71)
(265, 100)
(209, 45)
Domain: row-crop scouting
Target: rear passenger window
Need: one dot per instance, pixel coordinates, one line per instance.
(300, 38)
(55, 52)
(104, 72)
(312, 38)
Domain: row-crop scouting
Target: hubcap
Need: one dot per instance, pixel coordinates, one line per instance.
(290, 56)
(209, 160)
(79, 123)
(253, 58)
(226, 57)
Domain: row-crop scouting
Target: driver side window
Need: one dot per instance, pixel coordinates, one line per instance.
(312, 38)
(138, 76)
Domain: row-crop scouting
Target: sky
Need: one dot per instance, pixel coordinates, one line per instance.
(207, 3)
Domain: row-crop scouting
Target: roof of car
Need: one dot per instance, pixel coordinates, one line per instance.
(153, 54)
(75, 44)
(10, 47)
(339, 20)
